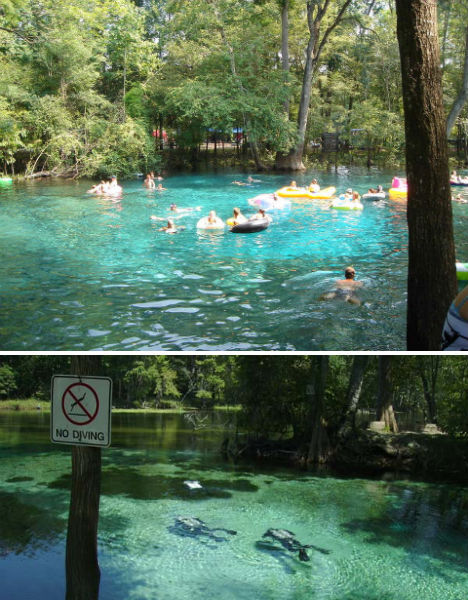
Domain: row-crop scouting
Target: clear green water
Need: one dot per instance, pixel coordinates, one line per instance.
(383, 541)
(83, 273)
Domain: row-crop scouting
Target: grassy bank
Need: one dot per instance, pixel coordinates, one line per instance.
(33, 404)
(25, 404)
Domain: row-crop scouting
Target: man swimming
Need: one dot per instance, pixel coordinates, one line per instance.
(345, 288)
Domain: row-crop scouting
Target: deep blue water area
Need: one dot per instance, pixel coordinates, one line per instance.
(81, 272)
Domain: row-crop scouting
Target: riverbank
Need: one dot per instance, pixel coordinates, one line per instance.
(429, 457)
(32, 404)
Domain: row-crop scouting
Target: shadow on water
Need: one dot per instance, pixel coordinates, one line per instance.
(203, 534)
(426, 525)
(133, 484)
(26, 528)
(286, 560)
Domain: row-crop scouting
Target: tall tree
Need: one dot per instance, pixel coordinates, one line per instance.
(384, 410)
(284, 4)
(462, 96)
(353, 394)
(432, 282)
(428, 370)
(318, 446)
(317, 10)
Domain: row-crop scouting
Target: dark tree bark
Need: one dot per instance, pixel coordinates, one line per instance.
(319, 443)
(384, 410)
(428, 368)
(432, 282)
(462, 97)
(353, 395)
(316, 12)
(82, 568)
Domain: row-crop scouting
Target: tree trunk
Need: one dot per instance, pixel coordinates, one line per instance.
(448, 14)
(384, 399)
(432, 282)
(318, 447)
(293, 160)
(429, 384)
(82, 568)
(462, 94)
(353, 395)
(285, 47)
(161, 132)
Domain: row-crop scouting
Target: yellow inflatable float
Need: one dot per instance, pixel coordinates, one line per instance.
(303, 193)
(342, 204)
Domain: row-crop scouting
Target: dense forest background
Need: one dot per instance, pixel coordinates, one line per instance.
(279, 396)
(102, 87)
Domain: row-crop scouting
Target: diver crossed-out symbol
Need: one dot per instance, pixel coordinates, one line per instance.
(78, 401)
(80, 406)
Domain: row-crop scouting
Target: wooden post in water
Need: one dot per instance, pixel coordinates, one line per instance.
(82, 568)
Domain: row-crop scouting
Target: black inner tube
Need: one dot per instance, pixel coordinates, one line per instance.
(251, 226)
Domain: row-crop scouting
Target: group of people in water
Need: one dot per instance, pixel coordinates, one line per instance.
(457, 179)
(250, 181)
(212, 219)
(455, 333)
(350, 195)
(107, 188)
(150, 184)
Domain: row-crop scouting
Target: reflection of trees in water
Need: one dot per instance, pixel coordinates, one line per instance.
(196, 419)
(26, 528)
(202, 419)
(427, 521)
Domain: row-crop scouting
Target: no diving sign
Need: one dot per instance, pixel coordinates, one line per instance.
(81, 410)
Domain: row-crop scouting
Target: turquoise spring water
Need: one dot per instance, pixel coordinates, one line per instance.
(373, 540)
(86, 273)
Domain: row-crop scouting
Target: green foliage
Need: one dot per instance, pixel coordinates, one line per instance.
(84, 83)
(7, 380)
(276, 392)
(151, 380)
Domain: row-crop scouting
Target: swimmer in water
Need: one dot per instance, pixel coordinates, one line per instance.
(170, 227)
(314, 186)
(345, 288)
(149, 182)
(97, 189)
(260, 214)
(237, 217)
(212, 218)
(160, 188)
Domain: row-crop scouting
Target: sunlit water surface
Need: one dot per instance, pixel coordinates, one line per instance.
(372, 540)
(85, 273)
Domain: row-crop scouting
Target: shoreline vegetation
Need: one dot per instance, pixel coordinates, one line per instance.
(140, 87)
(428, 455)
(228, 161)
(34, 405)
(357, 415)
